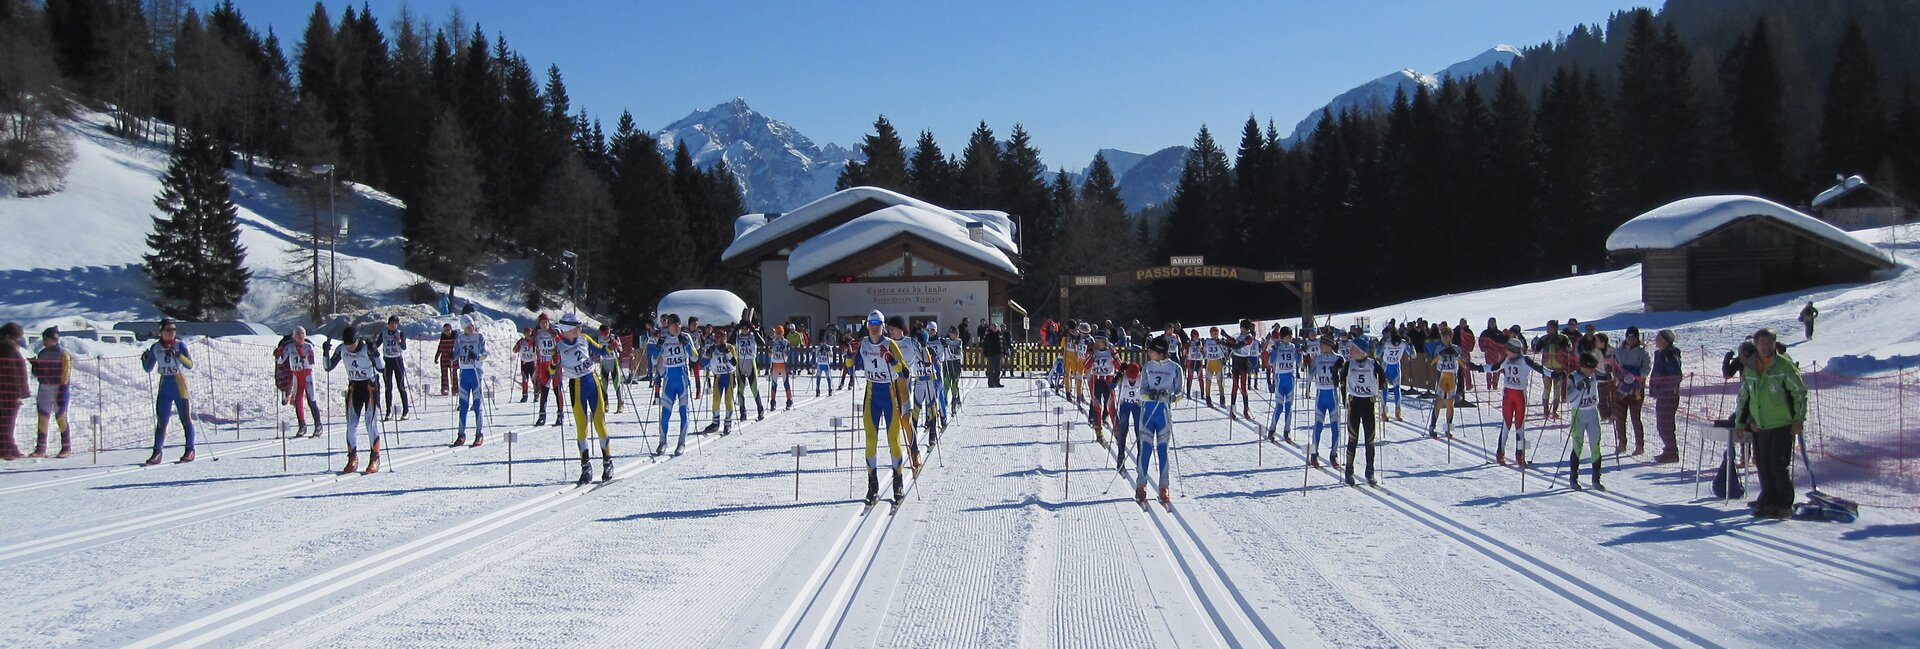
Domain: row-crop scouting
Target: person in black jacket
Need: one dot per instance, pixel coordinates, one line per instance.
(993, 344)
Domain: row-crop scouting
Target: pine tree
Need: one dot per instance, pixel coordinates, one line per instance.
(886, 164)
(1100, 240)
(1024, 193)
(645, 210)
(930, 176)
(979, 171)
(1201, 202)
(1658, 140)
(1853, 124)
(1756, 118)
(197, 264)
(442, 241)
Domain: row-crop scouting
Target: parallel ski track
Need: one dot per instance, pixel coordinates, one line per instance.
(1629, 617)
(1755, 542)
(105, 472)
(865, 529)
(1208, 585)
(220, 625)
(41, 548)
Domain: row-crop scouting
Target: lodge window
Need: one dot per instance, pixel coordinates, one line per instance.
(906, 265)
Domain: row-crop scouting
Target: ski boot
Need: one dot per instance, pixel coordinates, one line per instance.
(709, 430)
(606, 469)
(789, 403)
(186, 457)
(388, 416)
(542, 419)
(459, 441)
(1396, 413)
(405, 414)
(758, 414)
(1371, 482)
(660, 450)
(899, 488)
(152, 460)
(1501, 458)
(478, 439)
(1520, 458)
(1313, 461)
(557, 418)
(727, 429)
(302, 432)
(39, 447)
(373, 459)
(915, 453)
(873, 487)
(1596, 476)
(1166, 497)
(1140, 495)
(1333, 461)
(1638, 448)
(679, 448)
(586, 469)
(1270, 434)
(353, 462)
(66, 450)
(523, 397)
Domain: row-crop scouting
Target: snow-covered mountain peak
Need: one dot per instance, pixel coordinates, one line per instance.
(777, 167)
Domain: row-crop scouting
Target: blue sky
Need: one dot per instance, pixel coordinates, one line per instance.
(1080, 75)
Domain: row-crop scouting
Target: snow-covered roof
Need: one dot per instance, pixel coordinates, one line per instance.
(872, 229)
(753, 239)
(710, 305)
(1674, 224)
(1841, 189)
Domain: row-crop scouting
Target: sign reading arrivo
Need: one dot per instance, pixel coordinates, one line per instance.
(1190, 260)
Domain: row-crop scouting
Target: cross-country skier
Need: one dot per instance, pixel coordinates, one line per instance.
(579, 356)
(925, 385)
(1326, 366)
(823, 351)
(1516, 372)
(523, 349)
(53, 370)
(1283, 359)
(747, 346)
(1103, 367)
(1070, 360)
(1216, 355)
(1363, 377)
(297, 356)
(672, 367)
(883, 364)
(697, 355)
(1393, 349)
(778, 351)
(470, 355)
(1446, 388)
(954, 353)
(546, 370)
(1196, 361)
(720, 357)
(610, 367)
(363, 395)
(1128, 416)
(1160, 386)
(169, 358)
(1583, 398)
(1245, 349)
(1555, 349)
(392, 345)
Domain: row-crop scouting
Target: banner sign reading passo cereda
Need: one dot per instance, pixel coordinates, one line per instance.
(1182, 272)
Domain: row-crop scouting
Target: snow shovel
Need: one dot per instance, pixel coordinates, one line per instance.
(1821, 506)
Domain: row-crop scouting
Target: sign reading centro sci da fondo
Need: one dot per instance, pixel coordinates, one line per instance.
(946, 302)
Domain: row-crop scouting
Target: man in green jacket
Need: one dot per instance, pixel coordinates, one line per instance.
(1772, 406)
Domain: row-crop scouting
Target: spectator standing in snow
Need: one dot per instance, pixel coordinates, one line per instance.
(13, 387)
(994, 345)
(1664, 385)
(53, 368)
(1773, 406)
(296, 355)
(392, 345)
(1806, 318)
(966, 332)
(1629, 366)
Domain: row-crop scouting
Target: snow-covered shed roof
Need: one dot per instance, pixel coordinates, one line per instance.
(1838, 190)
(710, 305)
(1675, 224)
(757, 235)
(875, 228)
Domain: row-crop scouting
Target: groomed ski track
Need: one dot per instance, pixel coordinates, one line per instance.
(989, 549)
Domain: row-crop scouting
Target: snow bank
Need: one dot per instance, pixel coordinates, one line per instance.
(1836, 191)
(710, 305)
(1674, 224)
(870, 230)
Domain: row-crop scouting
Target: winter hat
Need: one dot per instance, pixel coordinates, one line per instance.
(897, 322)
(1589, 360)
(1365, 346)
(875, 318)
(1131, 371)
(1516, 347)
(347, 335)
(1633, 331)
(570, 321)
(1667, 334)
(1159, 345)
(466, 321)
(543, 316)
(50, 332)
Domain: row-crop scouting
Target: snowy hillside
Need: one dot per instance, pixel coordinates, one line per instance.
(77, 252)
(1378, 93)
(777, 167)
